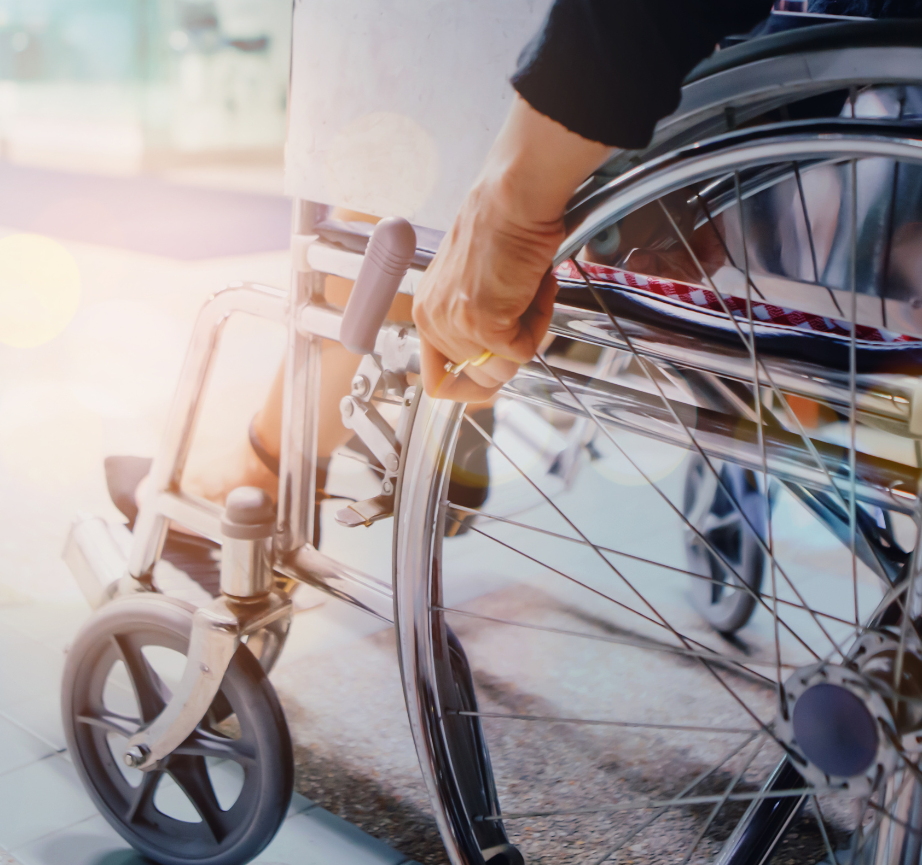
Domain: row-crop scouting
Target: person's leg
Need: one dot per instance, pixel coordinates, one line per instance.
(214, 479)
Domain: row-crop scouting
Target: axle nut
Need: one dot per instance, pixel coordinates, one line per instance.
(135, 756)
(360, 385)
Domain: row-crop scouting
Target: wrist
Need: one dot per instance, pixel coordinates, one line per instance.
(535, 166)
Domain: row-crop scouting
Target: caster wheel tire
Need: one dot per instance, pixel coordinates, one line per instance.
(221, 796)
(710, 510)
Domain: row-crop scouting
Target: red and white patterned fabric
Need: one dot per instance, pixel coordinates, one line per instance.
(696, 295)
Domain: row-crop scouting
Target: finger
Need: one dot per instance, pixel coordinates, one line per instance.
(465, 389)
(494, 373)
(443, 385)
(536, 320)
(520, 342)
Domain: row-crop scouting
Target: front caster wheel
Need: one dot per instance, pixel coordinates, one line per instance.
(220, 797)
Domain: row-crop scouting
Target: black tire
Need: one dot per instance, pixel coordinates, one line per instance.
(118, 633)
(726, 609)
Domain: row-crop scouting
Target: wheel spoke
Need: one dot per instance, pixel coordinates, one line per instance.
(853, 380)
(683, 792)
(776, 391)
(691, 438)
(206, 743)
(723, 243)
(681, 802)
(723, 801)
(885, 814)
(861, 839)
(143, 795)
(634, 558)
(742, 584)
(149, 690)
(579, 583)
(112, 723)
(191, 774)
(684, 640)
(760, 427)
(706, 654)
(591, 722)
(809, 227)
(821, 823)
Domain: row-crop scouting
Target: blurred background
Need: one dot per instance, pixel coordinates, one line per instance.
(124, 86)
(141, 169)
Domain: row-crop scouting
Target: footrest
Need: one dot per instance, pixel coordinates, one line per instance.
(97, 555)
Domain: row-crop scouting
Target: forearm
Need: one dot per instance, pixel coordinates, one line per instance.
(535, 165)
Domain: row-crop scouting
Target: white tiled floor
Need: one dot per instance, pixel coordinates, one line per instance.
(46, 816)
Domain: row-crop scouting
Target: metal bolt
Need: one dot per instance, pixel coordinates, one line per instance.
(360, 385)
(387, 488)
(392, 462)
(346, 407)
(135, 756)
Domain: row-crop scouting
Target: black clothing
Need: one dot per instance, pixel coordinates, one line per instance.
(610, 69)
(868, 8)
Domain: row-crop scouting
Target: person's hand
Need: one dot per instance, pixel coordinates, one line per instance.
(488, 289)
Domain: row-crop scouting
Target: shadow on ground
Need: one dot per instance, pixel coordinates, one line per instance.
(368, 805)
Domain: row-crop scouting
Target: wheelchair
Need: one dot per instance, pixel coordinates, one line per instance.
(716, 662)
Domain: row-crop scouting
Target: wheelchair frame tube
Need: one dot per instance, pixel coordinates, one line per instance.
(880, 482)
(298, 458)
(166, 471)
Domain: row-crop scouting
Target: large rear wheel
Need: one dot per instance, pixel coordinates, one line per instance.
(596, 716)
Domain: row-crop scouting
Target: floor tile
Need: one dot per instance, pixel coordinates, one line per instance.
(40, 798)
(28, 669)
(299, 804)
(19, 748)
(41, 716)
(318, 837)
(90, 842)
(53, 625)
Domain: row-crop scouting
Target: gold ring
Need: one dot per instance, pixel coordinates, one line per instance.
(455, 369)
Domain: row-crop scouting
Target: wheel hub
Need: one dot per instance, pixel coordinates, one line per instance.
(835, 730)
(842, 725)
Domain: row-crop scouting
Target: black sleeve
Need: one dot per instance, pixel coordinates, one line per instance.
(609, 69)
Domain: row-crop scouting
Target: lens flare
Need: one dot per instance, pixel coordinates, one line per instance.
(39, 289)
